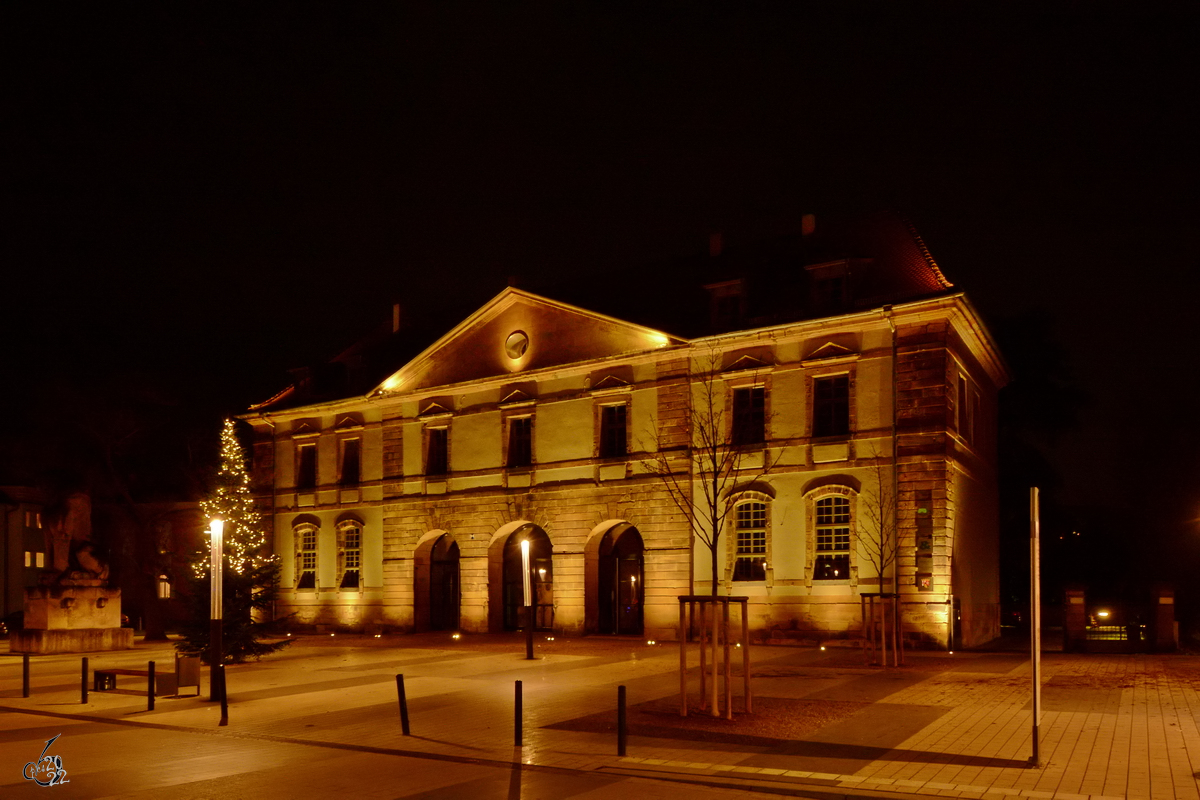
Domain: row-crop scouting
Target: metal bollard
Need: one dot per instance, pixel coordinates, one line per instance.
(403, 705)
(517, 717)
(620, 720)
(83, 683)
(150, 687)
(25, 675)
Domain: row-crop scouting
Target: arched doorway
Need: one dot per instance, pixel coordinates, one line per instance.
(542, 574)
(444, 584)
(621, 589)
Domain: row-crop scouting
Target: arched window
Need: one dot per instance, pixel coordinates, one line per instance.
(350, 535)
(306, 556)
(750, 547)
(832, 537)
(832, 562)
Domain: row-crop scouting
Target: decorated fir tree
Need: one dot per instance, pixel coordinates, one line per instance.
(251, 573)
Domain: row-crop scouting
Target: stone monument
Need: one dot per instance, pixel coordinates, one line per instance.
(73, 610)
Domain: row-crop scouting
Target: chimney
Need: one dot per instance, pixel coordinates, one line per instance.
(395, 317)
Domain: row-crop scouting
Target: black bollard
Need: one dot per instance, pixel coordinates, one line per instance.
(25, 675)
(403, 705)
(224, 699)
(620, 720)
(83, 683)
(150, 687)
(517, 717)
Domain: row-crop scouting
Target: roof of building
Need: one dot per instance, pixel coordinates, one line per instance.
(837, 265)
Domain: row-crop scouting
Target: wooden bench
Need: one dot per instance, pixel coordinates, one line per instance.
(187, 673)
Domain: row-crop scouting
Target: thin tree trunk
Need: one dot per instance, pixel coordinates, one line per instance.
(713, 552)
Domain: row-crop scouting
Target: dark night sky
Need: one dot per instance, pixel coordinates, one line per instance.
(224, 197)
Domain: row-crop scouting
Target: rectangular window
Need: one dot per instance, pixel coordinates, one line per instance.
(833, 539)
(520, 442)
(831, 406)
(351, 556)
(751, 526)
(436, 456)
(29, 558)
(749, 415)
(613, 425)
(40, 560)
(306, 467)
(351, 468)
(308, 559)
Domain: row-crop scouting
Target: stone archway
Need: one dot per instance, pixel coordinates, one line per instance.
(616, 587)
(506, 582)
(437, 596)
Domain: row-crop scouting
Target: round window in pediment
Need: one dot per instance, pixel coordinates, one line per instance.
(516, 344)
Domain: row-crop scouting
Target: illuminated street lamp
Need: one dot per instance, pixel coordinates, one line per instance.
(527, 582)
(216, 680)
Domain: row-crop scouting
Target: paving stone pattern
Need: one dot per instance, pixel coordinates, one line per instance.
(1113, 726)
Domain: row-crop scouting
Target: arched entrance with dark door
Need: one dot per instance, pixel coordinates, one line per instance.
(443, 585)
(619, 587)
(508, 593)
(436, 583)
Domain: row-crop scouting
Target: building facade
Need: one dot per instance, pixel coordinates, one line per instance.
(403, 507)
(25, 553)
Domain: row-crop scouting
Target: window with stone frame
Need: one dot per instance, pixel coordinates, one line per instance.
(831, 405)
(306, 466)
(520, 442)
(306, 556)
(749, 415)
(750, 548)
(614, 431)
(351, 472)
(350, 536)
(437, 453)
(833, 539)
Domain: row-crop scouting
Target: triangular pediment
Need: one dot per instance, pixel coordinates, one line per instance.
(434, 410)
(830, 350)
(747, 363)
(610, 382)
(514, 397)
(516, 333)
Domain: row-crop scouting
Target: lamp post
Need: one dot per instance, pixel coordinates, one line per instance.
(216, 682)
(527, 574)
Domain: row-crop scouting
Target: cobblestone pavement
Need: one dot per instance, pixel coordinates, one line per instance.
(323, 716)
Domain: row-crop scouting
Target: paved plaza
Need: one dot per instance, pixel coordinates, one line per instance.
(322, 719)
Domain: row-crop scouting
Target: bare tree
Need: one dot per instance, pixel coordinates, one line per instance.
(700, 479)
(877, 530)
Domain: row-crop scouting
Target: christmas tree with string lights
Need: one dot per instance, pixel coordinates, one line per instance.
(250, 575)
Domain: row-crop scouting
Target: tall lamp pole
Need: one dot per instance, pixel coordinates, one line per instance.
(216, 681)
(528, 586)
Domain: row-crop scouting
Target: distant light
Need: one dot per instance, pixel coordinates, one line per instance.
(379, 636)
(739, 644)
(549, 638)
(951, 652)
(456, 636)
(822, 647)
(651, 641)
(289, 634)
(1101, 614)
(333, 634)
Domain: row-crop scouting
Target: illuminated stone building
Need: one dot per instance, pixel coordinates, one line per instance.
(859, 373)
